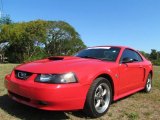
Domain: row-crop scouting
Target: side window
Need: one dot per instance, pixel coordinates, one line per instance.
(131, 54)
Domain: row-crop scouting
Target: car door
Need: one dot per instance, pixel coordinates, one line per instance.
(131, 73)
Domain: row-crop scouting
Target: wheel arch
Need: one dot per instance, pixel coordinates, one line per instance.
(109, 78)
(151, 72)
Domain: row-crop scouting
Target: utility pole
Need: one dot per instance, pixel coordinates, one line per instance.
(1, 9)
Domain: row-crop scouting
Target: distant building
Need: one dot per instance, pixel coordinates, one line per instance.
(3, 59)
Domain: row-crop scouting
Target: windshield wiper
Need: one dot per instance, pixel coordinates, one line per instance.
(90, 57)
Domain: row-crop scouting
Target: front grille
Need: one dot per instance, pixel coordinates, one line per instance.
(19, 96)
(22, 75)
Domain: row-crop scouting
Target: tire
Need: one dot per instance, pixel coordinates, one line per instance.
(148, 85)
(98, 98)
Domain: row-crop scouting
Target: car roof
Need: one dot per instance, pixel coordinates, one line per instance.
(111, 46)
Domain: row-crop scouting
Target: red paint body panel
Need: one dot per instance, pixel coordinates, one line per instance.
(57, 97)
(127, 79)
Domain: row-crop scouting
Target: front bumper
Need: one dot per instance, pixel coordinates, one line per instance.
(46, 96)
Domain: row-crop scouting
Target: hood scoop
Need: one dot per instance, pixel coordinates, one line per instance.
(56, 58)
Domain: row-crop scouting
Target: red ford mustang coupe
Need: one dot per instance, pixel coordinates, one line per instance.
(90, 80)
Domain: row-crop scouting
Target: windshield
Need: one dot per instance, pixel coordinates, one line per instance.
(102, 53)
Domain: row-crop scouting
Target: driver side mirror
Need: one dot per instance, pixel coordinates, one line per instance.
(127, 60)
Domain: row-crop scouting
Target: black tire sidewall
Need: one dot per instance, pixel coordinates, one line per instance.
(95, 84)
(145, 89)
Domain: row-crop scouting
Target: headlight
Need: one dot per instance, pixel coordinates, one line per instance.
(57, 78)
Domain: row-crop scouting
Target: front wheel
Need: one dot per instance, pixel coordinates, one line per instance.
(98, 98)
(148, 85)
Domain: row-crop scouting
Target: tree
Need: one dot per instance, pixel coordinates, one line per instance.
(37, 39)
(62, 39)
(158, 54)
(24, 39)
(153, 55)
(35, 33)
(5, 20)
(146, 55)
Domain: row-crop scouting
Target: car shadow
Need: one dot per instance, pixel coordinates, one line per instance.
(28, 113)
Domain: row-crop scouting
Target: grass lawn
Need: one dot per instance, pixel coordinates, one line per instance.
(140, 106)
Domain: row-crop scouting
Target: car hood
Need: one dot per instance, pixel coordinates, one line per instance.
(59, 64)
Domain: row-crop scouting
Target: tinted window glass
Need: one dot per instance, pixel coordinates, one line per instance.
(131, 54)
(104, 53)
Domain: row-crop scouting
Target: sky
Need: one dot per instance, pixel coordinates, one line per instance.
(133, 23)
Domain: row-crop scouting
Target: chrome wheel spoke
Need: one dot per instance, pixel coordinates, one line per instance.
(96, 97)
(149, 84)
(104, 92)
(100, 89)
(102, 102)
(98, 104)
(102, 97)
